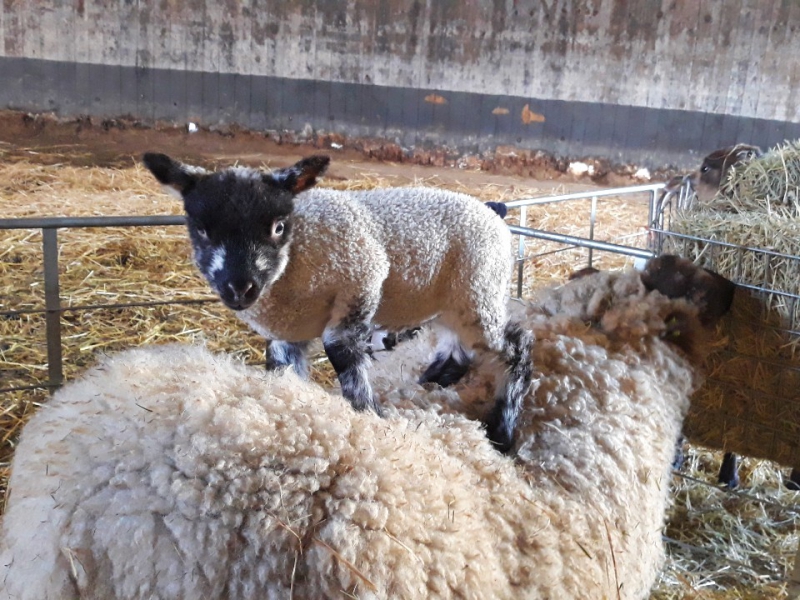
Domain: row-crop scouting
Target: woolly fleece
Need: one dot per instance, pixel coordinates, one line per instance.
(406, 253)
(170, 472)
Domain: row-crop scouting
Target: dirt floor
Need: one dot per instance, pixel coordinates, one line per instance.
(47, 140)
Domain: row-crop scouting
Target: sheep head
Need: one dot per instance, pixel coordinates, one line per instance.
(239, 220)
(678, 277)
(708, 179)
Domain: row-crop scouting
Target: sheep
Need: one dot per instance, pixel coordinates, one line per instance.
(704, 183)
(331, 264)
(708, 179)
(171, 472)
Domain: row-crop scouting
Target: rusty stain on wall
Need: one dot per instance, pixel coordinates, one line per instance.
(500, 111)
(435, 99)
(528, 116)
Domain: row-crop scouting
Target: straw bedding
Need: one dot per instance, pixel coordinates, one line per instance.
(153, 264)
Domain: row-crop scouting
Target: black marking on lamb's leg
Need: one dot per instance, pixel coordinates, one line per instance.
(793, 483)
(501, 421)
(729, 471)
(449, 365)
(679, 457)
(288, 354)
(345, 346)
(446, 370)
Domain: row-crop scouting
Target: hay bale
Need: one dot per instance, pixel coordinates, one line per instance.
(750, 233)
(769, 184)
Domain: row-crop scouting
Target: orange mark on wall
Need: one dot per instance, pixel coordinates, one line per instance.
(435, 99)
(528, 116)
(500, 111)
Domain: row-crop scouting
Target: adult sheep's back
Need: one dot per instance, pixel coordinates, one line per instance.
(173, 473)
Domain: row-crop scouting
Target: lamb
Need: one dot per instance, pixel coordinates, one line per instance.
(708, 179)
(171, 472)
(331, 264)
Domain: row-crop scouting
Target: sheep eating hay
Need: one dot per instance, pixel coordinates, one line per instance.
(332, 263)
(170, 472)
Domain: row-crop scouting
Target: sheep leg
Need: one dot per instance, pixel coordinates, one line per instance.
(679, 457)
(729, 471)
(346, 348)
(451, 363)
(793, 483)
(501, 421)
(288, 354)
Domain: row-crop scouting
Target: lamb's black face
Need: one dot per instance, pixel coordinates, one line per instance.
(239, 221)
(240, 227)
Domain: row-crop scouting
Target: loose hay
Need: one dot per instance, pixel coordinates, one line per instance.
(153, 264)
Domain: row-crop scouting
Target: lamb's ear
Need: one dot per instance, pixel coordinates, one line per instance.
(176, 177)
(301, 175)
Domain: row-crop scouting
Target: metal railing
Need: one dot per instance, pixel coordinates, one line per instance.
(53, 309)
(590, 243)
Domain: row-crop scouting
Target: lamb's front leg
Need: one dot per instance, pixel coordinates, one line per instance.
(288, 354)
(346, 347)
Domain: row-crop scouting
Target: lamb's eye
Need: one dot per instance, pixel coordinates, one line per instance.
(704, 169)
(277, 228)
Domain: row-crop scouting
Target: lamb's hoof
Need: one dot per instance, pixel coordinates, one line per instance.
(391, 339)
(444, 371)
(366, 406)
(499, 432)
(793, 483)
(680, 457)
(729, 471)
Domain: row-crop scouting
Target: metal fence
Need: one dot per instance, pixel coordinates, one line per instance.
(53, 309)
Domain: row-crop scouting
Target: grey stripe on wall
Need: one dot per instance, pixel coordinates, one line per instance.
(468, 122)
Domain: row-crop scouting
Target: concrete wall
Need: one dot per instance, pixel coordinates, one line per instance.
(622, 78)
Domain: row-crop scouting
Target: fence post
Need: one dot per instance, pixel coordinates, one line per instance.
(52, 300)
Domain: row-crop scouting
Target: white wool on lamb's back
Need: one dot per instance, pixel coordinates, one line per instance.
(374, 245)
(173, 473)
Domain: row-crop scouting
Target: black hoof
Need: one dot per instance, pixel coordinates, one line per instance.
(729, 471)
(391, 339)
(444, 371)
(500, 434)
(680, 457)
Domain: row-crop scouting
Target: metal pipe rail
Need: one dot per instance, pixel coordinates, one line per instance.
(52, 292)
(575, 241)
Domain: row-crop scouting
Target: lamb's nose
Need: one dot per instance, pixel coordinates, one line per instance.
(243, 291)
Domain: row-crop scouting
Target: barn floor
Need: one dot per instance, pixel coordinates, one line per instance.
(724, 545)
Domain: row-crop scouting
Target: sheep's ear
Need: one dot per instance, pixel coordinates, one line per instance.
(177, 178)
(301, 175)
(747, 152)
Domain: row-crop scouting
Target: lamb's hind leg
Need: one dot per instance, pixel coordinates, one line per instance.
(346, 347)
(450, 364)
(489, 331)
(288, 354)
(501, 421)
